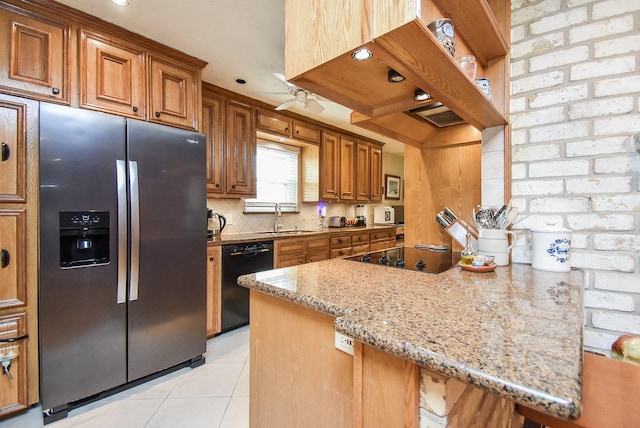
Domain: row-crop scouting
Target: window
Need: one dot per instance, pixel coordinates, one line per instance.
(277, 178)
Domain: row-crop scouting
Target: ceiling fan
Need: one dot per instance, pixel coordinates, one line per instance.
(300, 96)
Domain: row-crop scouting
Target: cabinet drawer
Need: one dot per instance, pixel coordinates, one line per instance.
(382, 236)
(341, 241)
(291, 260)
(274, 123)
(360, 238)
(13, 393)
(317, 257)
(305, 131)
(287, 246)
(341, 252)
(13, 287)
(317, 245)
(360, 249)
(382, 245)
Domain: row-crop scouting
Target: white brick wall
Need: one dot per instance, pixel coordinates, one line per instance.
(575, 116)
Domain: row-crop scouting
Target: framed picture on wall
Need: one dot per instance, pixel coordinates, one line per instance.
(392, 186)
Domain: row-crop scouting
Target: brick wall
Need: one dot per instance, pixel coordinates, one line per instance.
(575, 97)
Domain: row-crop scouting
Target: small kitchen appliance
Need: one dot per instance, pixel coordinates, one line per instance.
(361, 218)
(215, 223)
(383, 215)
(335, 221)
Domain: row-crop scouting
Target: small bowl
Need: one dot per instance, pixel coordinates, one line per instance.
(483, 260)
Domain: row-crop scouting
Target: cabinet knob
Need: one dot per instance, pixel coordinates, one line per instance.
(286, 129)
(340, 241)
(6, 151)
(55, 91)
(300, 261)
(157, 114)
(210, 259)
(135, 109)
(233, 186)
(217, 184)
(310, 259)
(297, 132)
(5, 258)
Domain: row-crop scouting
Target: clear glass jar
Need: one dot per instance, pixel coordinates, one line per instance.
(468, 65)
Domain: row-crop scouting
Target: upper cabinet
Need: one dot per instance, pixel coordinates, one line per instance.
(397, 35)
(114, 76)
(281, 124)
(231, 145)
(34, 55)
(54, 53)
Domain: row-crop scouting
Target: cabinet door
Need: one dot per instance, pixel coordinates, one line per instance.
(347, 168)
(112, 76)
(13, 283)
(213, 126)
(273, 123)
(214, 264)
(329, 173)
(173, 94)
(363, 171)
(34, 56)
(306, 132)
(375, 194)
(13, 152)
(241, 150)
(13, 392)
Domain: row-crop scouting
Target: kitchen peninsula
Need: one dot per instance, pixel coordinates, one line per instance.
(452, 349)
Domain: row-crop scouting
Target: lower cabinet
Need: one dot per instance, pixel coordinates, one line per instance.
(293, 252)
(382, 239)
(214, 308)
(13, 359)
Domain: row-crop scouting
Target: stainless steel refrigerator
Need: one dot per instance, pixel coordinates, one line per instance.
(122, 287)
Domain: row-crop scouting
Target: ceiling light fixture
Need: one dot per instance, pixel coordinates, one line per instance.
(361, 54)
(395, 77)
(240, 81)
(121, 2)
(420, 95)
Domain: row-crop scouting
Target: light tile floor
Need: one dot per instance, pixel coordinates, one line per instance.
(214, 395)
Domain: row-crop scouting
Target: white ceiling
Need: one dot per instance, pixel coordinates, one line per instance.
(238, 38)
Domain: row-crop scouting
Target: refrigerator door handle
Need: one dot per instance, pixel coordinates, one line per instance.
(121, 174)
(135, 230)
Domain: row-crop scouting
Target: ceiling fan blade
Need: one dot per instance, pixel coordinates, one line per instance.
(286, 104)
(314, 106)
(281, 77)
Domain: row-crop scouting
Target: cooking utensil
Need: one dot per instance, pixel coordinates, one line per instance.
(511, 215)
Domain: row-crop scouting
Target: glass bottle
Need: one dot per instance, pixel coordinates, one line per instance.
(467, 255)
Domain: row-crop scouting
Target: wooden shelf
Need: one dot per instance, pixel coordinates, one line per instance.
(477, 24)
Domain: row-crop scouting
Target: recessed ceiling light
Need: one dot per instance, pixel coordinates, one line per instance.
(420, 95)
(240, 81)
(394, 77)
(361, 54)
(121, 2)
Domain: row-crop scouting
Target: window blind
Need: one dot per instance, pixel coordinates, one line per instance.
(277, 179)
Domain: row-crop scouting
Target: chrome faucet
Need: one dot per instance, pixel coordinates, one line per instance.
(278, 213)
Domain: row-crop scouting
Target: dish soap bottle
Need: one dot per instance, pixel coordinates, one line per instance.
(467, 255)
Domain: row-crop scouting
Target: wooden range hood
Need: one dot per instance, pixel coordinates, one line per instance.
(413, 50)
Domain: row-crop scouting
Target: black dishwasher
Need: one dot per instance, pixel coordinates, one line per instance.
(240, 259)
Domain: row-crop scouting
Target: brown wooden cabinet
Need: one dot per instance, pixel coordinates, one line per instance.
(13, 390)
(173, 93)
(329, 166)
(18, 252)
(381, 239)
(306, 132)
(214, 298)
(34, 55)
(363, 171)
(231, 145)
(113, 76)
(347, 171)
(213, 114)
(273, 123)
(240, 150)
(297, 251)
(375, 193)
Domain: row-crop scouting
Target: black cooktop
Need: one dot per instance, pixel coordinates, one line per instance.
(422, 260)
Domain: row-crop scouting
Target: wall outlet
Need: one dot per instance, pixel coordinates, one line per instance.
(229, 218)
(344, 343)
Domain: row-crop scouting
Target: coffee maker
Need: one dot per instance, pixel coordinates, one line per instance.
(361, 219)
(215, 223)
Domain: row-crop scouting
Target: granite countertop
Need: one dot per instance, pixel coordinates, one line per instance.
(237, 238)
(515, 332)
